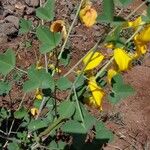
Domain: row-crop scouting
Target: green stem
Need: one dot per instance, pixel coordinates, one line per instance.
(70, 29)
(21, 70)
(51, 127)
(78, 106)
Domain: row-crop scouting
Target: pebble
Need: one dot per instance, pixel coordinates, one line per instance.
(13, 19)
(32, 3)
(30, 10)
(7, 28)
(3, 38)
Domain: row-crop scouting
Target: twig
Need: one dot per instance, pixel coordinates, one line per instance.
(21, 70)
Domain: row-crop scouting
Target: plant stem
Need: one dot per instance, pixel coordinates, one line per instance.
(78, 105)
(21, 70)
(46, 64)
(41, 107)
(23, 97)
(70, 29)
(51, 127)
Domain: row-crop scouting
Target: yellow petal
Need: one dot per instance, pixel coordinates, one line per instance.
(94, 62)
(122, 59)
(59, 26)
(96, 91)
(144, 35)
(51, 66)
(111, 73)
(136, 23)
(38, 65)
(88, 15)
(34, 111)
(39, 97)
(140, 49)
(109, 45)
(38, 94)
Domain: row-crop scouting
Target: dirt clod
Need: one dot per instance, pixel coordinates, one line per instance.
(13, 19)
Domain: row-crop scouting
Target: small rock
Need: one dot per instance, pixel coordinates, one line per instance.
(3, 38)
(20, 6)
(72, 16)
(32, 3)
(30, 10)
(8, 10)
(12, 2)
(7, 28)
(13, 19)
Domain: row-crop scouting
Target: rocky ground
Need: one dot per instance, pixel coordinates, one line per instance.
(130, 119)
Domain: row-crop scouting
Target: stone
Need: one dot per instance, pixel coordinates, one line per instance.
(13, 19)
(7, 28)
(3, 38)
(30, 10)
(32, 3)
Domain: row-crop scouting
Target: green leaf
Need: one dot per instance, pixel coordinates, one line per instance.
(25, 26)
(107, 13)
(3, 113)
(37, 124)
(65, 57)
(123, 90)
(49, 39)
(38, 79)
(4, 87)
(21, 113)
(80, 82)
(148, 11)
(47, 12)
(7, 62)
(13, 146)
(117, 79)
(114, 98)
(104, 134)
(63, 83)
(57, 146)
(73, 126)
(66, 109)
(125, 2)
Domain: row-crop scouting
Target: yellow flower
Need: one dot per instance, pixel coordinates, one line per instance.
(38, 95)
(95, 60)
(141, 49)
(88, 15)
(122, 59)
(51, 66)
(109, 45)
(34, 111)
(38, 65)
(59, 26)
(111, 73)
(97, 93)
(136, 23)
(144, 35)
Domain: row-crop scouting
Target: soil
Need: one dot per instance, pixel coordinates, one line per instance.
(129, 120)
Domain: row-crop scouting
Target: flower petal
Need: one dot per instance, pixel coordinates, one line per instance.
(88, 15)
(143, 36)
(136, 23)
(59, 26)
(34, 111)
(96, 91)
(111, 73)
(94, 62)
(122, 59)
